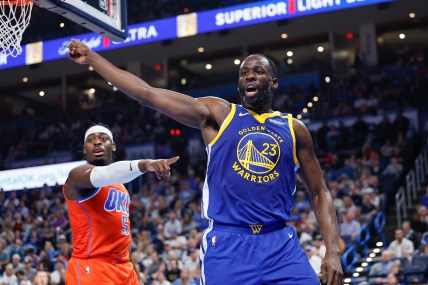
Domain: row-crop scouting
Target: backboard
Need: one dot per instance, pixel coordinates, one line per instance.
(106, 17)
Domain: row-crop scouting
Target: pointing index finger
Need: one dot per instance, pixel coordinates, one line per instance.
(172, 160)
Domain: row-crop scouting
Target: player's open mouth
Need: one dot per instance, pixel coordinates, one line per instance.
(98, 152)
(250, 90)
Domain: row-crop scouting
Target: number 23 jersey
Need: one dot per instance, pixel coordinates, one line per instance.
(251, 169)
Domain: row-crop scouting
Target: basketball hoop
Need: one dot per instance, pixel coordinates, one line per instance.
(15, 16)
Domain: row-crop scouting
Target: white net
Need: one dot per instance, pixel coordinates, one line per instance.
(14, 19)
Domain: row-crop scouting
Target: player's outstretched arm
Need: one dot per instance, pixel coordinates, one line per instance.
(90, 176)
(322, 203)
(183, 108)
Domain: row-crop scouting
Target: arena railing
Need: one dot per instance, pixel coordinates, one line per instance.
(415, 179)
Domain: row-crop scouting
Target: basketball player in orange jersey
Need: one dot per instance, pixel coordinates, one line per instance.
(253, 154)
(98, 209)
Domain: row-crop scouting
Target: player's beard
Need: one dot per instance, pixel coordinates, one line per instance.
(101, 161)
(263, 101)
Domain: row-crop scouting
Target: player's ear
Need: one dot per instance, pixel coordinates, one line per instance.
(84, 150)
(113, 147)
(274, 83)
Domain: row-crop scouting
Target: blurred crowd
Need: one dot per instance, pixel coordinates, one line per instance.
(363, 161)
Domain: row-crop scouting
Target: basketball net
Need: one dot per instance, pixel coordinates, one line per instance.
(15, 16)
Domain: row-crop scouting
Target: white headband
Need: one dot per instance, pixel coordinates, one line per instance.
(98, 129)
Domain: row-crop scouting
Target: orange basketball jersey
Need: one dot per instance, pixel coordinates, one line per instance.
(100, 224)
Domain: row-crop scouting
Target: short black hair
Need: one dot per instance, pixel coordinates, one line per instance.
(272, 64)
(20, 272)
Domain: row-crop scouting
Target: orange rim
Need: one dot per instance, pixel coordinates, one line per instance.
(16, 2)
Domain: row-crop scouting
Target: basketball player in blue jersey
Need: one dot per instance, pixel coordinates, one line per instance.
(253, 152)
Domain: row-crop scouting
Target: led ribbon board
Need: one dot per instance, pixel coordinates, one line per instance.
(35, 177)
(185, 25)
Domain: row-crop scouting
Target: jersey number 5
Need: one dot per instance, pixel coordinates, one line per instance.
(125, 227)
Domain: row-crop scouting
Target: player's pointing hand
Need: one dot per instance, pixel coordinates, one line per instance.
(160, 166)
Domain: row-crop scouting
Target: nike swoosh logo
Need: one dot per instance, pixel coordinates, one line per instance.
(290, 235)
(130, 166)
(243, 114)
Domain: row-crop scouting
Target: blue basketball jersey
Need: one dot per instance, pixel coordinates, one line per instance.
(251, 169)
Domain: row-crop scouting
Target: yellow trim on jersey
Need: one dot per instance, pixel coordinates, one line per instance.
(290, 123)
(263, 117)
(226, 122)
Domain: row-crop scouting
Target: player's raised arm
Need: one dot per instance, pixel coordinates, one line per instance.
(90, 176)
(183, 108)
(322, 203)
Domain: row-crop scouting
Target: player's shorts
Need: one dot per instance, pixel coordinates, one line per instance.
(254, 256)
(96, 271)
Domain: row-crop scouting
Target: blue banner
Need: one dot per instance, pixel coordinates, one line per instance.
(184, 25)
(267, 11)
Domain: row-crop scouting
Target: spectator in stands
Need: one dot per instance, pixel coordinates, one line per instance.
(314, 259)
(319, 246)
(349, 206)
(424, 245)
(21, 279)
(347, 169)
(160, 279)
(398, 273)
(58, 275)
(63, 246)
(301, 203)
(418, 219)
(152, 264)
(387, 149)
(191, 261)
(410, 234)
(173, 225)
(379, 270)
(173, 272)
(8, 276)
(177, 243)
(345, 183)
(42, 278)
(368, 209)
(349, 228)
(394, 167)
(401, 247)
(185, 278)
(16, 262)
(4, 253)
(334, 138)
(18, 247)
(29, 270)
(50, 250)
(188, 223)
